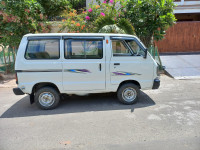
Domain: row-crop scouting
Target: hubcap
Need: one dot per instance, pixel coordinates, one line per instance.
(129, 94)
(46, 99)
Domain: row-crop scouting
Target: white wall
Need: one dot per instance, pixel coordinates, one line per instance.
(187, 7)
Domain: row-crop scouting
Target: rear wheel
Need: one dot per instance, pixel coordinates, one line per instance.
(128, 93)
(47, 98)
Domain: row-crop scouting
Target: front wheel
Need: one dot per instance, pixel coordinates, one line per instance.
(47, 98)
(128, 93)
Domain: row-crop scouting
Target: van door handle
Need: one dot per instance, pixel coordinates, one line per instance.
(99, 67)
(116, 63)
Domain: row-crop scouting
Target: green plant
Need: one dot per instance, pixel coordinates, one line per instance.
(126, 25)
(98, 18)
(74, 23)
(109, 17)
(102, 21)
(78, 4)
(150, 18)
(108, 24)
(18, 18)
(53, 8)
(111, 29)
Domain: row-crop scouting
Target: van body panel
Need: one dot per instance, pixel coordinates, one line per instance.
(31, 72)
(83, 74)
(132, 68)
(27, 80)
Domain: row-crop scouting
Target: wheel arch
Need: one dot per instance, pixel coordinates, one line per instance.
(43, 84)
(129, 81)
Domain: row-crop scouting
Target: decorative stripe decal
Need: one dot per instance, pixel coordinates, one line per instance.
(48, 70)
(77, 70)
(120, 73)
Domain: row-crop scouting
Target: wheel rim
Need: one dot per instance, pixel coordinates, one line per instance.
(129, 94)
(46, 99)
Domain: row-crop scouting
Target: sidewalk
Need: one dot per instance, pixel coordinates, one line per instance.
(11, 83)
(182, 66)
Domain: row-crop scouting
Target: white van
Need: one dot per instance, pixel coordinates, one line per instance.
(48, 65)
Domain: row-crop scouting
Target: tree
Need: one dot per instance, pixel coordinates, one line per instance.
(150, 18)
(78, 4)
(18, 18)
(53, 8)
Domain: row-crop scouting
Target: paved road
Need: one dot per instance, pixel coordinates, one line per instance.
(167, 119)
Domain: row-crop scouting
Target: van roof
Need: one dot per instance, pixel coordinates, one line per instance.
(78, 34)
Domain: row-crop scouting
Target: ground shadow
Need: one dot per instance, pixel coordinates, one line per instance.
(74, 104)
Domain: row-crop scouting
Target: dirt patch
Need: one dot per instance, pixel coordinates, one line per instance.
(4, 77)
(7, 81)
(1, 77)
(11, 83)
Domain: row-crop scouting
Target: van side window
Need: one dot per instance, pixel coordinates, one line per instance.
(120, 48)
(83, 49)
(43, 49)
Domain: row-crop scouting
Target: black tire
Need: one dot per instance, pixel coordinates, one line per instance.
(49, 94)
(130, 89)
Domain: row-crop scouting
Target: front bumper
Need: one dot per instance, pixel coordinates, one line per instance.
(156, 84)
(18, 91)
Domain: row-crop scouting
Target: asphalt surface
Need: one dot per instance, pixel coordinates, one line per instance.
(167, 119)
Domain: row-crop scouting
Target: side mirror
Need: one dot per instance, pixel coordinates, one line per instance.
(145, 53)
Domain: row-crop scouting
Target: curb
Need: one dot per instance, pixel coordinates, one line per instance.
(187, 77)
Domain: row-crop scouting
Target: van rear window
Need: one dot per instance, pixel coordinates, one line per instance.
(42, 49)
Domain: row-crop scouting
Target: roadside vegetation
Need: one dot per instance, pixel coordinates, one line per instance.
(148, 19)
